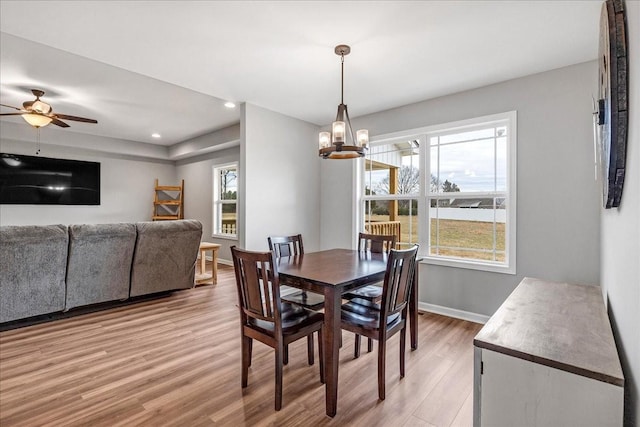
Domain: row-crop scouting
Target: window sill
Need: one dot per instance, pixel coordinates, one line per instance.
(469, 264)
(225, 236)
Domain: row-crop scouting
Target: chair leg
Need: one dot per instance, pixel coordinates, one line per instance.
(310, 349)
(403, 339)
(356, 347)
(250, 350)
(285, 355)
(382, 347)
(321, 356)
(246, 359)
(279, 359)
(370, 345)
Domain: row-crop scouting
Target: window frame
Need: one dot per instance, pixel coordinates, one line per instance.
(424, 200)
(217, 200)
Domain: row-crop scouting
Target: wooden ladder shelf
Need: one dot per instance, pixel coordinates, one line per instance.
(168, 202)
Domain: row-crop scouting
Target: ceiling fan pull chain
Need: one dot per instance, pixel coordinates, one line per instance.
(38, 142)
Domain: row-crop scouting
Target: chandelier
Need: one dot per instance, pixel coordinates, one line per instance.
(334, 145)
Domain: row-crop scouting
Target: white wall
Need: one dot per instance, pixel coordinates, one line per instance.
(279, 178)
(558, 200)
(126, 181)
(620, 274)
(197, 173)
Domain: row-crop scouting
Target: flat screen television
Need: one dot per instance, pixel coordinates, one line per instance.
(31, 180)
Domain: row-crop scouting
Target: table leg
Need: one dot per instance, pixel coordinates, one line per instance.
(331, 336)
(214, 266)
(203, 261)
(413, 308)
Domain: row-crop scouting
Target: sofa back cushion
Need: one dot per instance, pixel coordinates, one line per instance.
(99, 267)
(33, 261)
(165, 256)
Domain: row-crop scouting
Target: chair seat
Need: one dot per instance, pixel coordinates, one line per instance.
(370, 292)
(294, 317)
(355, 304)
(306, 299)
(368, 317)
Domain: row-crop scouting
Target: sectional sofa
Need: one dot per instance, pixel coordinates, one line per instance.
(55, 268)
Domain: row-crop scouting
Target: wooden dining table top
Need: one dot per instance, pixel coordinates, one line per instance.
(334, 267)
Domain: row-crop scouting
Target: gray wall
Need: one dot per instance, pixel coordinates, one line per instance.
(279, 178)
(126, 178)
(620, 274)
(197, 173)
(558, 214)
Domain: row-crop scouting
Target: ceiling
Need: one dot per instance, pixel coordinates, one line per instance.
(140, 67)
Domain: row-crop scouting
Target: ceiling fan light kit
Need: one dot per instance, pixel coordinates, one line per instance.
(333, 145)
(39, 114)
(36, 120)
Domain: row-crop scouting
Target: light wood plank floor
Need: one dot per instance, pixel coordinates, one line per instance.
(175, 361)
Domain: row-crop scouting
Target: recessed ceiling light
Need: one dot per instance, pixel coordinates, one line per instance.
(155, 135)
(229, 104)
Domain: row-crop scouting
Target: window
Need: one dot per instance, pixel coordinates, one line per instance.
(450, 187)
(225, 200)
(392, 189)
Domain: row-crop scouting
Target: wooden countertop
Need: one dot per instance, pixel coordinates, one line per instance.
(559, 325)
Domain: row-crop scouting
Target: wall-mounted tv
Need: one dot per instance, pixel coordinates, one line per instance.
(46, 181)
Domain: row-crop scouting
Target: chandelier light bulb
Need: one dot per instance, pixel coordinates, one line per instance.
(324, 140)
(363, 137)
(338, 131)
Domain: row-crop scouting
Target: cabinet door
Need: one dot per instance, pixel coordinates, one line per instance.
(515, 392)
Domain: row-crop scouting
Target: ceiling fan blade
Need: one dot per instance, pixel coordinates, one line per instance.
(11, 106)
(11, 114)
(75, 118)
(59, 123)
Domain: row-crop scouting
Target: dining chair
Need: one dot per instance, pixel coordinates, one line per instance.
(391, 316)
(264, 317)
(286, 246)
(370, 295)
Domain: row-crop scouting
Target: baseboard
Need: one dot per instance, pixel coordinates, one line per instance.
(452, 312)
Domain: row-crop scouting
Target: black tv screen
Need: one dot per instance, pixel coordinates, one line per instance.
(47, 181)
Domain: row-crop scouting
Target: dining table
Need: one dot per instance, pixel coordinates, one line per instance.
(332, 273)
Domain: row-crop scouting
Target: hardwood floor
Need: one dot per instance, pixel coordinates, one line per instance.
(175, 361)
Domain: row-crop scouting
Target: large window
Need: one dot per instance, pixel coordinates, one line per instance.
(449, 187)
(225, 200)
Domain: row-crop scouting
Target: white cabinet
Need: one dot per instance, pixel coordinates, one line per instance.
(547, 358)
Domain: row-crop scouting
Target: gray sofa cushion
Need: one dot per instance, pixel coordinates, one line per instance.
(165, 256)
(33, 261)
(99, 267)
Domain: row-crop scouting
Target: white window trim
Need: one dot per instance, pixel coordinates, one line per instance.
(423, 232)
(216, 184)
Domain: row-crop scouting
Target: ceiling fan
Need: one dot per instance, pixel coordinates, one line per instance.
(38, 113)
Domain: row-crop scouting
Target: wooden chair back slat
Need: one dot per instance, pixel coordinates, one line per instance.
(284, 246)
(398, 280)
(258, 284)
(376, 243)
